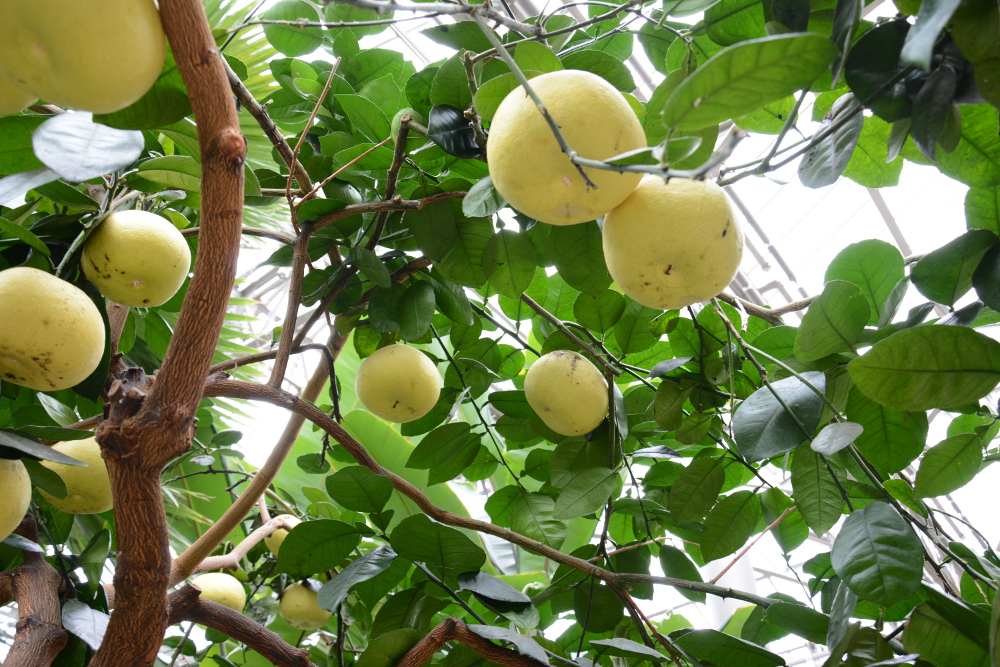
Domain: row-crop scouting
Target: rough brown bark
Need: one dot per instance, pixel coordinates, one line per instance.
(35, 587)
(147, 423)
(187, 605)
(455, 629)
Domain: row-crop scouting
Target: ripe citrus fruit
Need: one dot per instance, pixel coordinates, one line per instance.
(530, 170)
(136, 259)
(222, 588)
(274, 540)
(12, 98)
(398, 383)
(93, 55)
(300, 610)
(88, 489)
(16, 487)
(567, 392)
(51, 333)
(673, 244)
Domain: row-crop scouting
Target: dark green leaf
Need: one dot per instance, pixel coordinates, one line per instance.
(30, 448)
(451, 86)
(872, 62)
(463, 263)
(389, 648)
(939, 643)
(631, 331)
(762, 428)
(878, 556)
(814, 490)
(586, 493)
(483, 199)
(596, 606)
(626, 648)
(448, 127)
(366, 117)
(440, 547)
(876, 267)
(928, 367)
(316, 546)
(834, 321)
(16, 154)
(732, 21)
(385, 308)
(745, 77)
(799, 620)
(445, 451)
(932, 106)
(695, 489)
(948, 466)
(599, 313)
(525, 645)
(509, 262)
(946, 274)
(417, 310)
(792, 531)
(826, 160)
(359, 489)
(434, 228)
(675, 563)
(370, 565)
(531, 516)
(578, 254)
(370, 265)
(892, 439)
(603, 65)
(986, 279)
(44, 478)
(730, 523)
(726, 651)
(919, 45)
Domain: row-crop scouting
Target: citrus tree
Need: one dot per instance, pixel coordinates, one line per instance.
(371, 182)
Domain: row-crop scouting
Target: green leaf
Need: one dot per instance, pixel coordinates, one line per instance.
(287, 39)
(463, 263)
(445, 451)
(596, 607)
(972, 621)
(931, 19)
(451, 84)
(835, 437)
(599, 313)
(435, 227)
(799, 620)
(369, 566)
(939, 643)
(825, 161)
(366, 117)
(407, 609)
(891, 439)
(761, 426)
(11, 230)
(928, 367)
(626, 648)
(16, 153)
(695, 489)
(948, 466)
(745, 77)
(729, 525)
(451, 300)
(603, 65)
(176, 171)
(370, 265)
(792, 531)
(586, 493)
(874, 266)
(732, 21)
(417, 310)
(675, 563)
(385, 308)
(483, 199)
(814, 490)
(316, 546)
(578, 254)
(489, 96)
(165, 103)
(726, 651)
(536, 56)
(359, 489)
(834, 321)
(976, 159)
(56, 433)
(872, 62)
(459, 36)
(524, 644)
(45, 478)
(388, 649)
(372, 64)
(945, 274)
(869, 165)
(631, 331)
(35, 450)
(531, 516)
(509, 262)
(440, 547)
(982, 208)
(877, 555)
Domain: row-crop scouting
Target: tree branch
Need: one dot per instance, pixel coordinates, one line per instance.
(576, 340)
(231, 560)
(35, 586)
(186, 605)
(455, 629)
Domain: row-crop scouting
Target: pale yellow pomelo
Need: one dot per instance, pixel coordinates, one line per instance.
(300, 610)
(222, 588)
(12, 98)
(673, 244)
(530, 170)
(398, 383)
(274, 540)
(92, 55)
(88, 489)
(51, 333)
(567, 392)
(16, 487)
(136, 258)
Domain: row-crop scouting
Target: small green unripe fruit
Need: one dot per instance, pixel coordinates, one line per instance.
(88, 489)
(136, 259)
(222, 588)
(299, 608)
(16, 487)
(567, 392)
(274, 540)
(398, 383)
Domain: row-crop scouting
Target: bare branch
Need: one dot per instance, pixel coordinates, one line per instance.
(273, 234)
(576, 340)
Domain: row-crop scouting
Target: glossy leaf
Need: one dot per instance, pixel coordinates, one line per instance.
(814, 490)
(726, 651)
(509, 262)
(799, 620)
(359, 489)
(440, 547)
(586, 493)
(730, 523)
(928, 367)
(946, 274)
(695, 489)
(579, 257)
(833, 322)
(875, 266)
(762, 428)
(877, 555)
(316, 546)
(835, 437)
(948, 466)
(369, 566)
(445, 452)
(826, 160)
